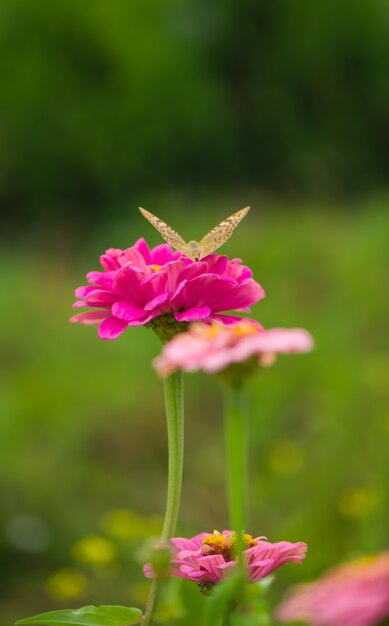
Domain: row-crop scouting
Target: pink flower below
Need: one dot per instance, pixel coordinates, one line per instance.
(355, 594)
(213, 348)
(206, 558)
(139, 285)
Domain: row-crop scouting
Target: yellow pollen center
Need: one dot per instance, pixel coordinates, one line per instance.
(364, 560)
(156, 268)
(224, 544)
(243, 328)
(212, 330)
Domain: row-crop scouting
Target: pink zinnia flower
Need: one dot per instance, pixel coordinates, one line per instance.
(213, 348)
(139, 285)
(354, 594)
(206, 558)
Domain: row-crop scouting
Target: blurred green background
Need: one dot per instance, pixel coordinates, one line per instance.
(193, 110)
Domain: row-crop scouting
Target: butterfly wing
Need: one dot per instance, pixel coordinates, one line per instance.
(169, 235)
(218, 235)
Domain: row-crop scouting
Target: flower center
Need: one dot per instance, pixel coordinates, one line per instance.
(224, 544)
(245, 328)
(364, 560)
(360, 567)
(242, 328)
(156, 268)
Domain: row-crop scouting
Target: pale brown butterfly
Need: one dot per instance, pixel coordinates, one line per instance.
(196, 250)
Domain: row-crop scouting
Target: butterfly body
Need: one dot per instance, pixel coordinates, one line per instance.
(197, 250)
(194, 250)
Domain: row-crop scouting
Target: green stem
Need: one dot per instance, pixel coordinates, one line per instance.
(236, 444)
(226, 618)
(174, 406)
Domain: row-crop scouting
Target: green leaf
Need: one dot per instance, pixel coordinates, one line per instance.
(264, 583)
(222, 596)
(88, 616)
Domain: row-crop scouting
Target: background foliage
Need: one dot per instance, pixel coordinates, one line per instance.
(104, 100)
(193, 110)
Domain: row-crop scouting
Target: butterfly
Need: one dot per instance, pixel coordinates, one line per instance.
(197, 250)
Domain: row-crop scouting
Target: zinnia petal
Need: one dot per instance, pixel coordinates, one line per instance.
(111, 328)
(193, 315)
(214, 348)
(142, 284)
(127, 312)
(353, 594)
(91, 317)
(205, 557)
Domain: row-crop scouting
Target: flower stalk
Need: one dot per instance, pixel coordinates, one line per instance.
(174, 406)
(236, 457)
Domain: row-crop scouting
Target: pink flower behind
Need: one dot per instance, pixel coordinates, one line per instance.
(138, 285)
(213, 348)
(355, 594)
(206, 558)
